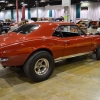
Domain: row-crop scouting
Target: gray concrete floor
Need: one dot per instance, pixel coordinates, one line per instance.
(73, 79)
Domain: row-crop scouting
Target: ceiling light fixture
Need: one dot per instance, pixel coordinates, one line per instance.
(6, 1)
(9, 5)
(84, 1)
(23, 4)
(43, 1)
(2, 1)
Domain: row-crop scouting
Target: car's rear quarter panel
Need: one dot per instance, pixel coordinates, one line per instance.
(19, 52)
(95, 42)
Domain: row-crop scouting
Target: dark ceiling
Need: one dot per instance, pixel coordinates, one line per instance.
(10, 4)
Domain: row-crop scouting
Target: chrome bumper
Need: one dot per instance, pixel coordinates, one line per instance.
(3, 59)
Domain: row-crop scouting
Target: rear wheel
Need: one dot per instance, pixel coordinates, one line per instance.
(0, 32)
(6, 31)
(39, 66)
(98, 53)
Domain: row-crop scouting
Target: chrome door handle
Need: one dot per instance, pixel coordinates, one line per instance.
(67, 41)
(78, 45)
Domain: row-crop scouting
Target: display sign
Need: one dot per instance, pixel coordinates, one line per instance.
(65, 17)
(66, 2)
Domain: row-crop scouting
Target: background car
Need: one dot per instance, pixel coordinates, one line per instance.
(4, 26)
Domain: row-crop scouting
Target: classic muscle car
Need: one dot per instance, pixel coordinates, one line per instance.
(37, 46)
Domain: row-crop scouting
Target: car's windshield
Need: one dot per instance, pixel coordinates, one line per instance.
(26, 29)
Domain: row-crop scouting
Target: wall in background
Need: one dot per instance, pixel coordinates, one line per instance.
(93, 11)
(42, 12)
(73, 13)
(6, 14)
(20, 14)
(33, 12)
(60, 12)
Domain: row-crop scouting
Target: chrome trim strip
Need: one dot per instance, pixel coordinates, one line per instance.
(3, 59)
(70, 56)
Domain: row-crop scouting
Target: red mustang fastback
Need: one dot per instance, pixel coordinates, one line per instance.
(37, 46)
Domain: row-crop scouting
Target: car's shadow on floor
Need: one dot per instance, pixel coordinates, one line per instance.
(18, 76)
(73, 63)
(76, 60)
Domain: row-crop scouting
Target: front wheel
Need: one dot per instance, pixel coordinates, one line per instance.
(98, 53)
(39, 66)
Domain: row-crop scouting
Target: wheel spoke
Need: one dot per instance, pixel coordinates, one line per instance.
(41, 66)
(41, 62)
(39, 70)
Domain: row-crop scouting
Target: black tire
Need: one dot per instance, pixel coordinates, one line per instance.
(0, 32)
(98, 53)
(32, 70)
(6, 31)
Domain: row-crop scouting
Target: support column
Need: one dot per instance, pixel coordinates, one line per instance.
(66, 4)
(66, 14)
(78, 8)
(37, 12)
(54, 14)
(50, 13)
(23, 11)
(37, 9)
(12, 14)
(17, 11)
(29, 14)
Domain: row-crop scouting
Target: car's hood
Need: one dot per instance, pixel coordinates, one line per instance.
(11, 38)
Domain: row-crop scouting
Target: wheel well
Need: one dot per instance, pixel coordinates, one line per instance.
(43, 49)
(96, 49)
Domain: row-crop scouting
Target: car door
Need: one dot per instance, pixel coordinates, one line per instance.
(76, 42)
(63, 44)
(58, 44)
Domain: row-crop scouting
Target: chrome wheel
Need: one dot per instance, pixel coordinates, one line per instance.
(41, 66)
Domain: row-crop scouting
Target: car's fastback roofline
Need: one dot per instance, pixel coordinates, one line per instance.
(60, 23)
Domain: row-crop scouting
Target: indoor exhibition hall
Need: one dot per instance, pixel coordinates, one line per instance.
(49, 49)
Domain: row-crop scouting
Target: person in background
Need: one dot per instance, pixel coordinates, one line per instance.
(98, 29)
(89, 27)
(89, 23)
(23, 21)
(99, 23)
(61, 18)
(70, 20)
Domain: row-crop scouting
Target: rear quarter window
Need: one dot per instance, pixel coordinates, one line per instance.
(26, 29)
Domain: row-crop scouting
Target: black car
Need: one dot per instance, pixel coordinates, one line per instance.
(4, 26)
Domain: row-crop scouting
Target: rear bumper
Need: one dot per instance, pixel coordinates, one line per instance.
(3, 59)
(14, 60)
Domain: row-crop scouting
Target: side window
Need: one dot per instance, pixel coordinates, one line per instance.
(77, 30)
(67, 31)
(58, 32)
(73, 30)
(80, 32)
(26, 29)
